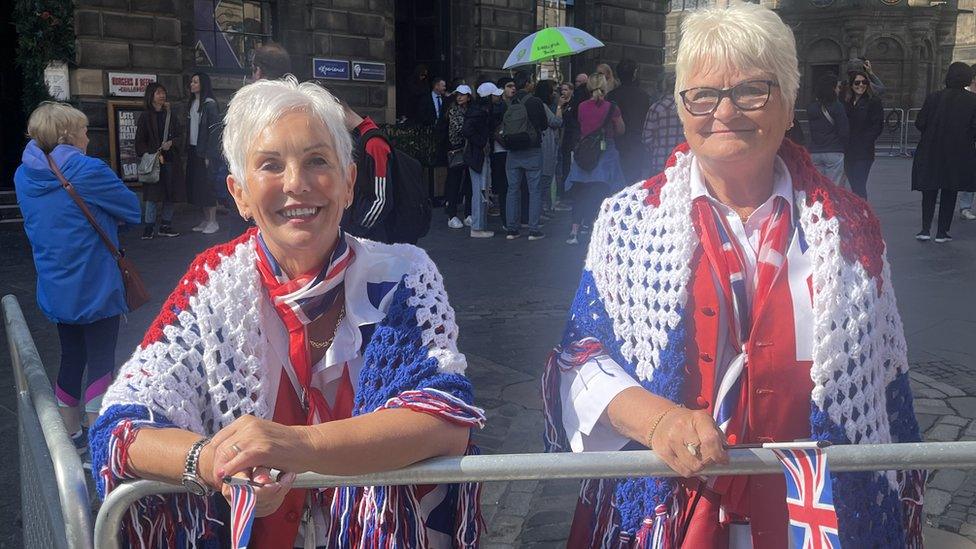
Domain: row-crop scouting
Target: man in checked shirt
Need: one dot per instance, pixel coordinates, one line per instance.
(662, 129)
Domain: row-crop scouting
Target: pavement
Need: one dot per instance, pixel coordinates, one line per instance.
(512, 298)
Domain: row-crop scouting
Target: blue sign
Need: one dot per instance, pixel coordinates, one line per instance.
(330, 69)
(370, 72)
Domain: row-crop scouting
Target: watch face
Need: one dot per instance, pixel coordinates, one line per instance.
(194, 486)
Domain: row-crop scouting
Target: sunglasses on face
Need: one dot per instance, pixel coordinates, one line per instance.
(860, 82)
(750, 95)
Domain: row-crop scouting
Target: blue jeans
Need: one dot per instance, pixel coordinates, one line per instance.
(830, 164)
(966, 200)
(167, 214)
(479, 190)
(527, 164)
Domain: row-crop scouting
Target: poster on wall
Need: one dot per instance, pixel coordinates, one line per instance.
(122, 118)
(128, 84)
(56, 78)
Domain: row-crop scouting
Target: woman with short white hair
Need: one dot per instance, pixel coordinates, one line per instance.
(299, 348)
(737, 297)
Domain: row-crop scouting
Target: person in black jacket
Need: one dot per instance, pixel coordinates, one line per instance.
(202, 112)
(369, 215)
(865, 115)
(828, 129)
(945, 160)
(477, 130)
(633, 103)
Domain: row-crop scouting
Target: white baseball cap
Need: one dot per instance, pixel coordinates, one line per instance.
(489, 88)
(463, 88)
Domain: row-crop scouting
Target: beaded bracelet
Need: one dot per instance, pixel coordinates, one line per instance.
(657, 421)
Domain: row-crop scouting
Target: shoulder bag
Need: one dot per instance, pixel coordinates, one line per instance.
(589, 149)
(149, 163)
(136, 294)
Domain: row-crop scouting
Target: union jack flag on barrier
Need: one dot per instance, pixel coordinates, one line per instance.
(809, 499)
(241, 515)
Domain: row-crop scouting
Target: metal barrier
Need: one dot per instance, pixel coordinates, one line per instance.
(510, 467)
(893, 133)
(54, 496)
(911, 133)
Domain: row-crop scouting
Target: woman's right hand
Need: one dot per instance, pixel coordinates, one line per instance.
(681, 427)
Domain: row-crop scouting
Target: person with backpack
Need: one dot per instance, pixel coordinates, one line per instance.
(477, 131)
(521, 133)
(202, 112)
(369, 214)
(596, 162)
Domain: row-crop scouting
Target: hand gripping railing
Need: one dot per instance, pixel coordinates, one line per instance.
(54, 497)
(512, 467)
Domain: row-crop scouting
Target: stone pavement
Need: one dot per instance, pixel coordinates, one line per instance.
(511, 299)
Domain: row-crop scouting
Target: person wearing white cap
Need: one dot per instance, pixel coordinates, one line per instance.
(457, 171)
(477, 130)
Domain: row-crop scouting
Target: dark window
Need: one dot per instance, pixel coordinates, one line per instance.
(227, 31)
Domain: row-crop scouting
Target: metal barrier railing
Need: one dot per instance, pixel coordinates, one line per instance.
(54, 496)
(911, 133)
(513, 467)
(893, 134)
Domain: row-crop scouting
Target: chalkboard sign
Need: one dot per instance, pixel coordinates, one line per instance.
(122, 119)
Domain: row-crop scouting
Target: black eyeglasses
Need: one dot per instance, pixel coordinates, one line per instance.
(750, 95)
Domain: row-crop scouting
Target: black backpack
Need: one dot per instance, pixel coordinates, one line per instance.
(410, 218)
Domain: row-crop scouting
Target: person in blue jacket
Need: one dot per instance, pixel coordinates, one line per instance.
(79, 286)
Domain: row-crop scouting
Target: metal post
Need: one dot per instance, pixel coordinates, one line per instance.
(511, 467)
(32, 381)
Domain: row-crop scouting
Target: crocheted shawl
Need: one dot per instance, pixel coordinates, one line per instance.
(632, 296)
(200, 366)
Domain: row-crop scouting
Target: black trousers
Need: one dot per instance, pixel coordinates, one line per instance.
(499, 183)
(86, 347)
(947, 208)
(857, 170)
(458, 190)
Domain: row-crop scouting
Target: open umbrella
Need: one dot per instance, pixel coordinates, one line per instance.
(550, 43)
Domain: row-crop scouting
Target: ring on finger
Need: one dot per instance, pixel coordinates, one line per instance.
(236, 448)
(693, 448)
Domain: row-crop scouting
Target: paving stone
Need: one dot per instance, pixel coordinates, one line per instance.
(955, 420)
(932, 406)
(936, 501)
(505, 528)
(968, 529)
(942, 433)
(925, 421)
(549, 517)
(964, 406)
(525, 486)
(949, 390)
(546, 532)
(922, 391)
(516, 503)
(948, 480)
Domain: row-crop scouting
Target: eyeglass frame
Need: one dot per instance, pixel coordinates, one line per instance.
(727, 92)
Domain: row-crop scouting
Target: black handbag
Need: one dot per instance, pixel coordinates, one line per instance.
(588, 150)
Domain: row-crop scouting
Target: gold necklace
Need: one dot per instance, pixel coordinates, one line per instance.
(328, 343)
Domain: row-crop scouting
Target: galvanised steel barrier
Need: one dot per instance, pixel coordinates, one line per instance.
(53, 494)
(893, 132)
(513, 467)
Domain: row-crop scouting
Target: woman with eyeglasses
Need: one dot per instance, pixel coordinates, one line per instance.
(737, 297)
(829, 129)
(865, 116)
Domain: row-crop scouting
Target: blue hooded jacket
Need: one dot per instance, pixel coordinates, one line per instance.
(78, 281)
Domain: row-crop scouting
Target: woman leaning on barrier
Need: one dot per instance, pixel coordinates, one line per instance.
(79, 287)
(738, 297)
(300, 348)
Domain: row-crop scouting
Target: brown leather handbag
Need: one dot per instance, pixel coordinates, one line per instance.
(136, 294)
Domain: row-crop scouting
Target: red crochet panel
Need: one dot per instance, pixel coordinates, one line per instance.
(195, 277)
(860, 231)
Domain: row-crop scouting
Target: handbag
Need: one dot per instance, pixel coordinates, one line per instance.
(455, 158)
(149, 164)
(136, 294)
(588, 150)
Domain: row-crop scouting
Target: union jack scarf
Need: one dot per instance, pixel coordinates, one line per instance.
(299, 302)
(809, 499)
(242, 504)
(724, 253)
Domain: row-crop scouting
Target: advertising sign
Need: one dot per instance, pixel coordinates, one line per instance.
(128, 84)
(369, 72)
(330, 69)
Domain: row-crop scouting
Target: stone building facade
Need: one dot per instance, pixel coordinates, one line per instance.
(173, 39)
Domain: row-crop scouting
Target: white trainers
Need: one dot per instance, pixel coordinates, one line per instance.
(199, 228)
(211, 228)
(482, 234)
(968, 214)
(467, 221)
(455, 223)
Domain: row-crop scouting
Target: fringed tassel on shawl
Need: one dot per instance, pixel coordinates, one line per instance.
(468, 520)
(555, 436)
(178, 520)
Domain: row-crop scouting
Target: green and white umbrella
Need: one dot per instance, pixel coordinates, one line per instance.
(550, 43)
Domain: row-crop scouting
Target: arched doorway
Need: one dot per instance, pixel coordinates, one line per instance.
(823, 56)
(888, 62)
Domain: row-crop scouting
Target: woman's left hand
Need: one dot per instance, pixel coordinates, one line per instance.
(250, 442)
(268, 497)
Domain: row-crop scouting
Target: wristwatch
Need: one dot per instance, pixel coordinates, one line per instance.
(191, 477)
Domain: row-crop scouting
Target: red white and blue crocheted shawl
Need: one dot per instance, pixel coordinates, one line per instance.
(200, 366)
(631, 299)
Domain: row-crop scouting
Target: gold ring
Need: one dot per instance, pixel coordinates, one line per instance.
(692, 448)
(236, 448)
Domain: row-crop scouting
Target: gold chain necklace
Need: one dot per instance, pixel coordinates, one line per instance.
(328, 343)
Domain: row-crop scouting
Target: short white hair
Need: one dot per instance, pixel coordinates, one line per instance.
(741, 36)
(259, 105)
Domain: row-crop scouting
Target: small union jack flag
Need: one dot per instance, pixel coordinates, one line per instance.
(809, 499)
(242, 515)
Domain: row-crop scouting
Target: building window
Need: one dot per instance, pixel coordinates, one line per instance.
(227, 31)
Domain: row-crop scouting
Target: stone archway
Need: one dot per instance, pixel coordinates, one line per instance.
(820, 57)
(888, 60)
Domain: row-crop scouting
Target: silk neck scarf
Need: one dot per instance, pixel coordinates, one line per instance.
(299, 302)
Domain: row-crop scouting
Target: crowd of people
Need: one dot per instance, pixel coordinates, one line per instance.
(309, 343)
